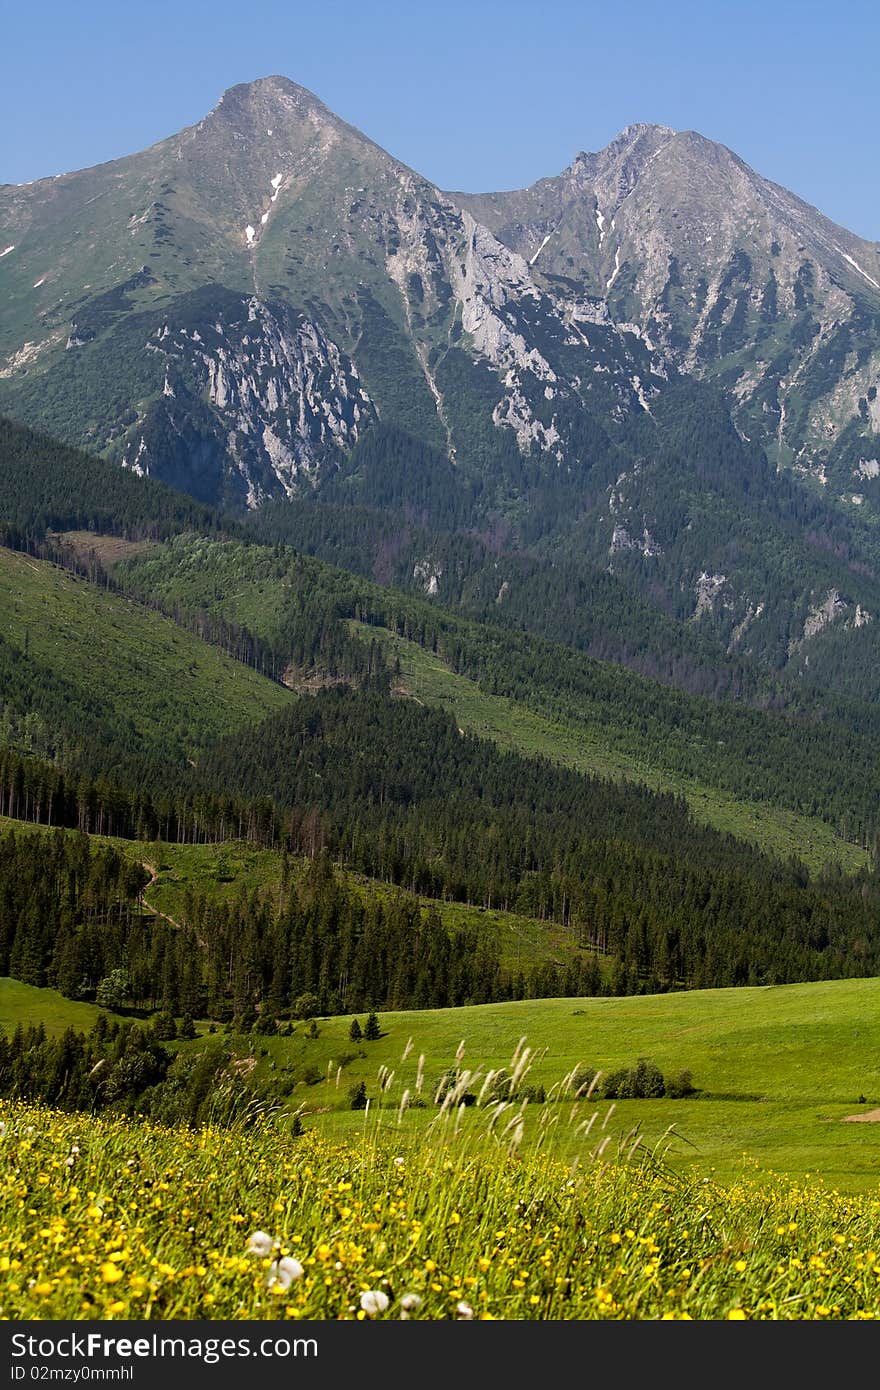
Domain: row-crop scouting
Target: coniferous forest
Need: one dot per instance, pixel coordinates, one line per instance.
(349, 777)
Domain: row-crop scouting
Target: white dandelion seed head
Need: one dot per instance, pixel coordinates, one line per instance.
(411, 1302)
(374, 1302)
(398, 1161)
(464, 1311)
(260, 1244)
(284, 1272)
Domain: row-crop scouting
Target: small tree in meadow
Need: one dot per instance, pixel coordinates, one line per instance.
(372, 1031)
(357, 1096)
(355, 1032)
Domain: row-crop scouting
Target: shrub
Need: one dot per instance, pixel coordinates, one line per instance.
(306, 1006)
(583, 1079)
(644, 1081)
(618, 1085)
(357, 1096)
(446, 1083)
(648, 1080)
(680, 1085)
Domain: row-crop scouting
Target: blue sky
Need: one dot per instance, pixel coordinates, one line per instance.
(477, 95)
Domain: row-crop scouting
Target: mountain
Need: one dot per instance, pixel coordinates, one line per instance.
(731, 276)
(608, 368)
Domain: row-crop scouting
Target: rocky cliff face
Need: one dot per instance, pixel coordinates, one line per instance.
(732, 277)
(270, 397)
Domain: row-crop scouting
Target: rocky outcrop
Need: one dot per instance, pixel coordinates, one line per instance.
(282, 396)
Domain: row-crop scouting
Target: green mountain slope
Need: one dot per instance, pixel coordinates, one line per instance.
(141, 675)
(810, 763)
(268, 305)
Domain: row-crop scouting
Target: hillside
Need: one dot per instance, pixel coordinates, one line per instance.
(544, 698)
(778, 1073)
(136, 670)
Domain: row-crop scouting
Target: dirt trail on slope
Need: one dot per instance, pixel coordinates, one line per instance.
(871, 1117)
(157, 911)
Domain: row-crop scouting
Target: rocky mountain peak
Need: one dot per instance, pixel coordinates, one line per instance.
(247, 101)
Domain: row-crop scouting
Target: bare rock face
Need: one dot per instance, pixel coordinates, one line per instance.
(732, 277)
(607, 360)
(272, 391)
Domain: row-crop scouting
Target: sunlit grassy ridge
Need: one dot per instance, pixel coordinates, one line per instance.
(158, 676)
(256, 585)
(114, 1219)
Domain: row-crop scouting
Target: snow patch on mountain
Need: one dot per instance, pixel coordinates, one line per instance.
(533, 258)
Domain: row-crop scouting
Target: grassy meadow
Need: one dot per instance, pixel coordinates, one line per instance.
(777, 1071)
(117, 1219)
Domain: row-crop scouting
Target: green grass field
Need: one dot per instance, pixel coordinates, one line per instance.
(162, 678)
(777, 1070)
(24, 1004)
(518, 727)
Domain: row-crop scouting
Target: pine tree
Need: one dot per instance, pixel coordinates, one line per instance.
(357, 1096)
(355, 1032)
(372, 1031)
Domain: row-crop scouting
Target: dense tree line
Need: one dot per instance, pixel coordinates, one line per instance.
(46, 486)
(71, 918)
(816, 755)
(434, 812)
(122, 1066)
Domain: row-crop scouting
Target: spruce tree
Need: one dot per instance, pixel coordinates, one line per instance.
(357, 1096)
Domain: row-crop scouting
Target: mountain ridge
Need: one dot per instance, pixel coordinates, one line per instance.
(625, 362)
